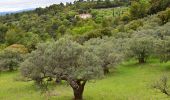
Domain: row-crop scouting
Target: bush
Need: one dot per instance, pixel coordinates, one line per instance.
(162, 85)
(164, 16)
(158, 5)
(138, 9)
(94, 34)
(134, 25)
(11, 57)
(125, 17)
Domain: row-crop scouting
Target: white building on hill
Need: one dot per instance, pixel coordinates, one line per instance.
(84, 16)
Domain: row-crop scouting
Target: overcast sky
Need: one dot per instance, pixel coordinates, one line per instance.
(15, 5)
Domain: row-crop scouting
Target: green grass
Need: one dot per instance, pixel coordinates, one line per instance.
(130, 81)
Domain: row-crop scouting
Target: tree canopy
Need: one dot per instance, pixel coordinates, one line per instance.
(64, 59)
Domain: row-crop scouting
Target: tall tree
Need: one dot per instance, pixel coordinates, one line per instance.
(63, 59)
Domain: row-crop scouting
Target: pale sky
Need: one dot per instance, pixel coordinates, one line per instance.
(15, 5)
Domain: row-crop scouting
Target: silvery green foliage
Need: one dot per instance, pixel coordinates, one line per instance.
(105, 49)
(162, 85)
(9, 60)
(163, 30)
(121, 45)
(149, 32)
(36, 64)
(70, 58)
(141, 46)
(150, 22)
(163, 49)
(64, 59)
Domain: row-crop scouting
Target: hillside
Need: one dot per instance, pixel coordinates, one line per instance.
(87, 50)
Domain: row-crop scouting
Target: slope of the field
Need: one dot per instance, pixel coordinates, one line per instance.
(129, 81)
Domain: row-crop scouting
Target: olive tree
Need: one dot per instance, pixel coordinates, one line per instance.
(63, 59)
(11, 56)
(106, 51)
(141, 46)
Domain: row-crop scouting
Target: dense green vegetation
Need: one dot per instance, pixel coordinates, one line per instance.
(118, 47)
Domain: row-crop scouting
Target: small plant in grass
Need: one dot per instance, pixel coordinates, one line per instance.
(162, 85)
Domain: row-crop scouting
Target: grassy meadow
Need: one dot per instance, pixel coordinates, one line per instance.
(130, 81)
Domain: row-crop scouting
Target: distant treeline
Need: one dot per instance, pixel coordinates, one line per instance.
(97, 4)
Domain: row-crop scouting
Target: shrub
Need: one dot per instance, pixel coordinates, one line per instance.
(158, 5)
(164, 16)
(138, 9)
(162, 85)
(11, 57)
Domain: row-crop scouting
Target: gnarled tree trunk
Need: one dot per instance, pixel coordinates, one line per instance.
(142, 57)
(78, 89)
